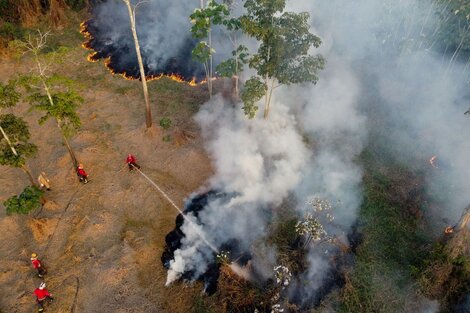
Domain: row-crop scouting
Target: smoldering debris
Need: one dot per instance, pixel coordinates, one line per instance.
(231, 247)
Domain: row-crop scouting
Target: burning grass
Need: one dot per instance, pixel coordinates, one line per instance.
(180, 68)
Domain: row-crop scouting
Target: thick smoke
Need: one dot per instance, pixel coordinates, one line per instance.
(163, 31)
(415, 97)
(255, 161)
(329, 115)
(384, 80)
(384, 75)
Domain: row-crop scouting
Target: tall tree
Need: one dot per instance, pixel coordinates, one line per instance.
(283, 55)
(232, 67)
(212, 13)
(132, 9)
(52, 93)
(15, 147)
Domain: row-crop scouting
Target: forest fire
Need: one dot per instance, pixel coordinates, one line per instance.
(230, 248)
(120, 59)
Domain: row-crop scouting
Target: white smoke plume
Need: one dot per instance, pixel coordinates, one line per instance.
(381, 65)
(258, 162)
(162, 28)
(383, 78)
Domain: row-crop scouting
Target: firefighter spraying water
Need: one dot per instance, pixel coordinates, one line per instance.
(195, 226)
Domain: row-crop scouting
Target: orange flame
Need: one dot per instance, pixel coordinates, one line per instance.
(448, 230)
(193, 82)
(92, 57)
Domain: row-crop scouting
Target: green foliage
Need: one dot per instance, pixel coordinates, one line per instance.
(394, 244)
(202, 20)
(17, 131)
(166, 138)
(9, 12)
(63, 109)
(77, 5)
(454, 30)
(446, 277)
(282, 234)
(214, 13)
(10, 31)
(231, 67)
(285, 41)
(27, 201)
(252, 92)
(200, 305)
(9, 97)
(202, 52)
(165, 123)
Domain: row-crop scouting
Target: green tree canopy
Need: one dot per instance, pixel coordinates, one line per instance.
(27, 201)
(62, 107)
(9, 97)
(18, 134)
(283, 55)
(14, 145)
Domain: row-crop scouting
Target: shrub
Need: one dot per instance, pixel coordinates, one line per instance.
(165, 123)
(27, 201)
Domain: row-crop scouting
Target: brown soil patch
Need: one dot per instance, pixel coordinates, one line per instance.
(108, 234)
(42, 228)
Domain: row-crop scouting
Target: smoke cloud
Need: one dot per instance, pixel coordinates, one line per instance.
(257, 163)
(163, 29)
(384, 80)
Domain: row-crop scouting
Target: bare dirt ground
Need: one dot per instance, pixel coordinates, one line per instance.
(102, 242)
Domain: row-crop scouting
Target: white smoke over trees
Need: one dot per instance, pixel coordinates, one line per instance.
(384, 80)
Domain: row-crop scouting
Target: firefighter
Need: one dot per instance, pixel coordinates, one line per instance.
(37, 264)
(42, 295)
(82, 175)
(43, 181)
(131, 162)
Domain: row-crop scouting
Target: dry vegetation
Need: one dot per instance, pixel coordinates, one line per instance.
(102, 241)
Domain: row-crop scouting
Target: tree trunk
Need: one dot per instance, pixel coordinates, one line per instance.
(236, 96)
(8, 141)
(267, 101)
(30, 176)
(23, 167)
(69, 148)
(266, 81)
(67, 144)
(209, 82)
(148, 113)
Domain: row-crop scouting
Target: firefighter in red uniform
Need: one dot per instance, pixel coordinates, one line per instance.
(82, 175)
(131, 162)
(42, 295)
(38, 265)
